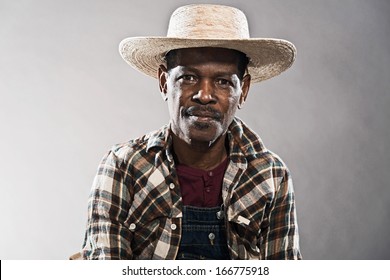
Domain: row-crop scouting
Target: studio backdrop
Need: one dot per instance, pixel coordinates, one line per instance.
(66, 96)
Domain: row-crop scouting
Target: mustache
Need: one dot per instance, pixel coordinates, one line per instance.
(206, 111)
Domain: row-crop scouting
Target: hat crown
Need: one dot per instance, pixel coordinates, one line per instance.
(206, 21)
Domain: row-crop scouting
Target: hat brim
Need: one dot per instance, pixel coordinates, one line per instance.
(267, 57)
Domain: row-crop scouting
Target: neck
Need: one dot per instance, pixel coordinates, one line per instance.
(199, 155)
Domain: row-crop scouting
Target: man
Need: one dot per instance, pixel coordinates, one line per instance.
(203, 186)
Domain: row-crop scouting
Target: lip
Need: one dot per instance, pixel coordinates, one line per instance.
(202, 119)
(203, 115)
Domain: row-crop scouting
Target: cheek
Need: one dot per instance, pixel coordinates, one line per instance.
(233, 102)
(231, 108)
(174, 108)
(234, 98)
(174, 102)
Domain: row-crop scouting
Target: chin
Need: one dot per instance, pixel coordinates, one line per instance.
(206, 135)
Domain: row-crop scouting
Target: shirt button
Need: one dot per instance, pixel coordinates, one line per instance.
(171, 186)
(210, 173)
(173, 226)
(207, 190)
(132, 227)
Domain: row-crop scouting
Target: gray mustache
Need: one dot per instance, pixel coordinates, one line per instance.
(204, 111)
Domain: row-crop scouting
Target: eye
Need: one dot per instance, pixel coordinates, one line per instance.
(224, 83)
(190, 79)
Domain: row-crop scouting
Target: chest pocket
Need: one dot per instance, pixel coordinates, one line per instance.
(246, 229)
(150, 209)
(152, 199)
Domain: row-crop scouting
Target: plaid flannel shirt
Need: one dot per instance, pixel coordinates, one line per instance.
(135, 207)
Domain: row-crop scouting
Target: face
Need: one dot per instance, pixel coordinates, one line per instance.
(203, 90)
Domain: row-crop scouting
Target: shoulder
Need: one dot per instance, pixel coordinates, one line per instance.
(249, 144)
(143, 147)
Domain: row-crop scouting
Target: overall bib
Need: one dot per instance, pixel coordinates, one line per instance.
(203, 234)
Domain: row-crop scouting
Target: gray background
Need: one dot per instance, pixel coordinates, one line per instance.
(67, 96)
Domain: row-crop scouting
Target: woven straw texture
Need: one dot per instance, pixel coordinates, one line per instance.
(210, 26)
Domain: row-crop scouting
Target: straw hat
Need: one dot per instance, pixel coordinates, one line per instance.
(207, 25)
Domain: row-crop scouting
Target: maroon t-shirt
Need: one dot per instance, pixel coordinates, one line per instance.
(199, 187)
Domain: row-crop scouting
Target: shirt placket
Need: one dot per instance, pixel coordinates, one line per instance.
(232, 176)
(176, 214)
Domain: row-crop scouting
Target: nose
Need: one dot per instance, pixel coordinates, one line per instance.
(205, 93)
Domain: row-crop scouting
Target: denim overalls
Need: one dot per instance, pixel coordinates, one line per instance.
(203, 234)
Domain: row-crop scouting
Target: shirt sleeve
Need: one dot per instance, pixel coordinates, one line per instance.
(107, 235)
(280, 239)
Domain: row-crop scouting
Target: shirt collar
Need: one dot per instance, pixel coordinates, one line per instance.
(159, 138)
(243, 142)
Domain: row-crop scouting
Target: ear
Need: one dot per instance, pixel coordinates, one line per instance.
(162, 79)
(246, 82)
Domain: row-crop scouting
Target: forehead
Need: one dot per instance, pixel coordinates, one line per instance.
(199, 56)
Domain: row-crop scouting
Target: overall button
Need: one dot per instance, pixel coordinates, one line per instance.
(212, 237)
(132, 227)
(171, 186)
(173, 227)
